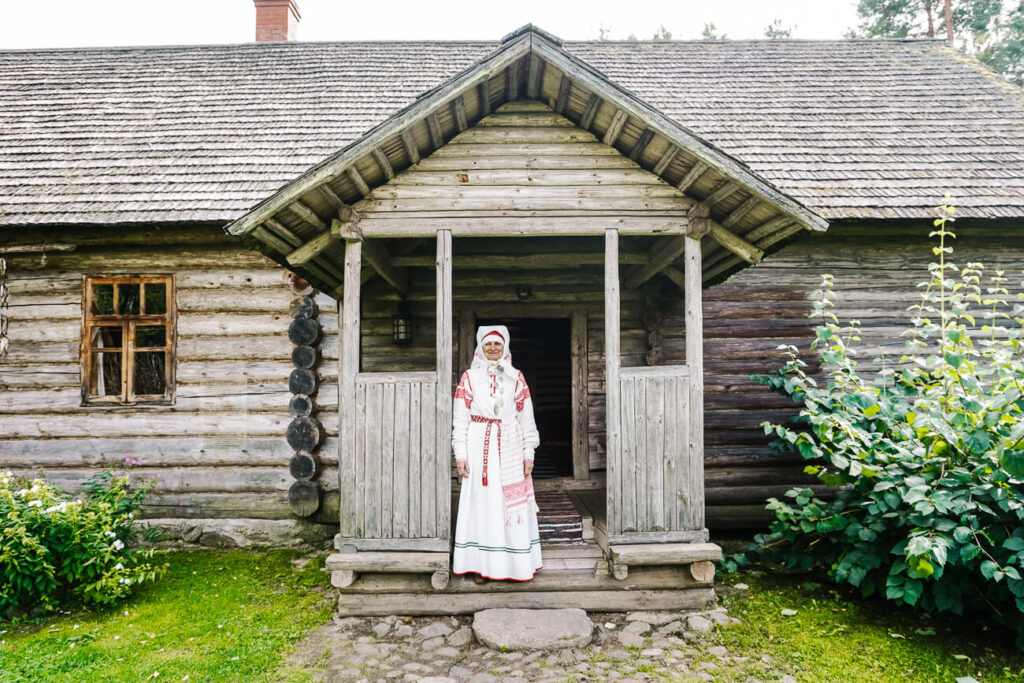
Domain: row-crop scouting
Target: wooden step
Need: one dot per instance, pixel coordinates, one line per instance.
(640, 578)
(393, 562)
(417, 603)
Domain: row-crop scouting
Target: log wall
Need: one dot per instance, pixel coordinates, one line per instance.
(219, 451)
(876, 271)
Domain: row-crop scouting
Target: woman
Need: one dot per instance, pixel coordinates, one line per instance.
(494, 437)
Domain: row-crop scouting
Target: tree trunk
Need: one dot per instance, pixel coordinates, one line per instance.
(949, 22)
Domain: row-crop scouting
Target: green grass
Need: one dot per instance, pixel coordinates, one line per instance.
(837, 636)
(215, 616)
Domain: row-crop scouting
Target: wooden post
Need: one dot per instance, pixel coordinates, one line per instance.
(580, 409)
(350, 503)
(694, 512)
(611, 352)
(444, 381)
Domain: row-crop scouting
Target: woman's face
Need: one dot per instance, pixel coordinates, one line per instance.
(493, 350)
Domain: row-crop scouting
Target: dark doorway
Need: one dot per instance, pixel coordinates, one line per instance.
(541, 349)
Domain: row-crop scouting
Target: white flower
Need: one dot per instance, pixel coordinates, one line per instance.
(131, 516)
(110, 533)
(35, 503)
(119, 566)
(118, 544)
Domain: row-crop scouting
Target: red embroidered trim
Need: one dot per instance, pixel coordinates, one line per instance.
(523, 394)
(465, 390)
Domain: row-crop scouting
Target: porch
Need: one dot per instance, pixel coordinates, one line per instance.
(632, 455)
(578, 574)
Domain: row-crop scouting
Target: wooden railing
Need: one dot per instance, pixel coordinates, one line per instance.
(396, 456)
(656, 487)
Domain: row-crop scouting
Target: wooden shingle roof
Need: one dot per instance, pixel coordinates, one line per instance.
(876, 129)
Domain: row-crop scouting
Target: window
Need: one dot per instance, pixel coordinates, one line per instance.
(128, 340)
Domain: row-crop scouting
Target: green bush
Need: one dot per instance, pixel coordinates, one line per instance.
(925, 459)
(55, 550)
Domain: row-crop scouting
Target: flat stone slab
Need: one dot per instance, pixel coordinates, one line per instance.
(533, 629)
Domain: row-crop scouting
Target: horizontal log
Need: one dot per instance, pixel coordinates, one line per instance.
(665, 553)
(569, 192)
(178, 451)
(111, 424)
(521, 205)
(388, 562)
(468, 603)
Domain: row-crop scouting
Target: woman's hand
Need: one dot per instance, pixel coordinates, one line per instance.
(527, 467)
(463, 466)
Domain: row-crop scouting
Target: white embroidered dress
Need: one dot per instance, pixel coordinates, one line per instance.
(493, 430)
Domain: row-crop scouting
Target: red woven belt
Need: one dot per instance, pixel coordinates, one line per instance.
(487, 438)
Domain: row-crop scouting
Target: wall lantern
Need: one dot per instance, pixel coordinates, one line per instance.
(402, 324)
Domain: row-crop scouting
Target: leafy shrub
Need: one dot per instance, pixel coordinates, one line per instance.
(55, 549)
(926, 459)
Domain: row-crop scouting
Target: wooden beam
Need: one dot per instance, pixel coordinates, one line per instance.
(695, 172)
(377, 256)
(484, 97)
(740, 211)
(459, 113)
(382, 161)
(311, 249)
(443, 337)
(533, 79)
(512, 81)
(665, 160)
(358, 181)
(767, 228)
(330, 196)
(692, 514)
(727, 189)
(613, 417)
(663, 255)
(615, 127)
(675, 275)
(580, 411)
(555, 260)
(434, 127)
(410, 147)
(283, 232)
(563, 94)
(737, 245)
(647, 554)
(347, 230)
(641, 145)
(307, 214)
(593, 104)
(351, 501)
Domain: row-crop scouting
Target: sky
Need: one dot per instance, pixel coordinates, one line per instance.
(88, 23)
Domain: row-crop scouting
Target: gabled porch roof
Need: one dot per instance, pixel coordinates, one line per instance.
(744, 214)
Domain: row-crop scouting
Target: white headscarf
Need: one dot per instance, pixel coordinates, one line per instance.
(500, 371)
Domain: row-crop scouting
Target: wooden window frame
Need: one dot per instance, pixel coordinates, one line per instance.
(128, 324)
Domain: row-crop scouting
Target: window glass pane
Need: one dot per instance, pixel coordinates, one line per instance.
(105, 379)
(102, 300)
(106, 337)
(150, 335)
(156, 298)
(128, 299)
(149, 373)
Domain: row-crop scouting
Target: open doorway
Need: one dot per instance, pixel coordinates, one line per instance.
(541, 350)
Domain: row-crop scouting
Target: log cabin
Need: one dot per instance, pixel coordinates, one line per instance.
(256, 270)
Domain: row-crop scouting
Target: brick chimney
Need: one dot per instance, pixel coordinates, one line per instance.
(276, 20)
